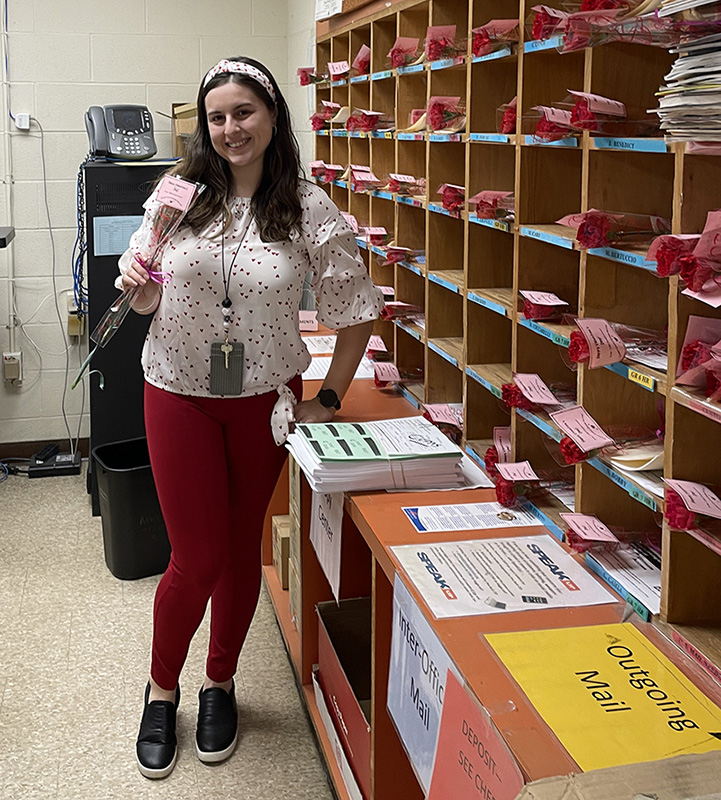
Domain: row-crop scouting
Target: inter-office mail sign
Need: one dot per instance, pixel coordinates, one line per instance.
(416, 682)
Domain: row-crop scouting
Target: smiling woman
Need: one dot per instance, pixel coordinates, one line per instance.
(223, 362)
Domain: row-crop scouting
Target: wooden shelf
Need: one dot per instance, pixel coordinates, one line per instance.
(499, 300)
(702, 644)
(694, 399)
(279, 598)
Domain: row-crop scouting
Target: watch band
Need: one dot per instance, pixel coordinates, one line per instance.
(328, 398)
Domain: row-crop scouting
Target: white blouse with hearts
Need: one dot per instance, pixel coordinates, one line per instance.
(265, 288)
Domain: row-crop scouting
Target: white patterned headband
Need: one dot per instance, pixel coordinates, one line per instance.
(242, 68)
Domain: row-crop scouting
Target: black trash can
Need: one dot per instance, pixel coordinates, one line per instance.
(134, 536)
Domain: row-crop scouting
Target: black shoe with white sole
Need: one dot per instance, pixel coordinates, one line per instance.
(157, 746)
(217, 732)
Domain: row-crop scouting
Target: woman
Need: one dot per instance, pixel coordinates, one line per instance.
(236, 272)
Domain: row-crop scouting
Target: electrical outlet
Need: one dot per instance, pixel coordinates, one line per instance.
(22, 122)
(13, 367)
(76, 323)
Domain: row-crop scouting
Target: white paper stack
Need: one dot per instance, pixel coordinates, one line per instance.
(690, 103)
(408, 453)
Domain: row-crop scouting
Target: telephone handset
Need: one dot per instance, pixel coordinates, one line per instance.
(122, 132)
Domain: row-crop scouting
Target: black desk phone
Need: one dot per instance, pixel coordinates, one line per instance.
(122, 132)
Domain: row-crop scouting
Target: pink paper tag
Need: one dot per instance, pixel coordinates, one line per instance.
(534, 389)
(502, 442)
(517, 471)
(338, 67)
(331, 105)
(489, 196)
(308, 320)
(697, 497)
(369, 113)
(176, 193)
(374, 231)
(402, 178)
(365, 175)
(602, 105)
(604, 344)
(406, 44)
(498, 27)
(388, 291)
(543, 298)
(363, 54)
(712, 297)
(445, 186)
(556, 115)
(583, 429)
(442, 412)
(386, 371)
(589, 527)
(376, 344)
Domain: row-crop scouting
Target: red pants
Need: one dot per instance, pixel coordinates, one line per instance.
(215, 466)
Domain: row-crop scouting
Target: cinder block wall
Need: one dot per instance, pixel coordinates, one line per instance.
(63, 58)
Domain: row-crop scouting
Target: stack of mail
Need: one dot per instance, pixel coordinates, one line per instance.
(408, 453)
(690, 103)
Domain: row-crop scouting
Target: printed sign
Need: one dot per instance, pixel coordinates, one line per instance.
(467, 517)
(326, 522)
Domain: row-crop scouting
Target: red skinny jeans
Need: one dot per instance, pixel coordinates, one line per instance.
(215, 467)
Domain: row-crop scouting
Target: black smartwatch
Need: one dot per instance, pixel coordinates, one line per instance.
(328, 399)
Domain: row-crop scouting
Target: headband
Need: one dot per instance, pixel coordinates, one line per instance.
(242, 68)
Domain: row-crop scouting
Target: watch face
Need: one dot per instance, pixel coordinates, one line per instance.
(328, 398)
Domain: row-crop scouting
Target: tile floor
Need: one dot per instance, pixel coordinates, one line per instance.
(74, 645)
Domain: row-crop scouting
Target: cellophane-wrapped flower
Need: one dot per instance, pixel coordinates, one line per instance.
(440, 42)
(319, 121)
(494, 205)
(490, 459)
(506, 492)
(509, 120)
(636, 340)
(482, 43)
(596, 228)
(403, 52)
(548, 124)
(513, 397)
(546, 22)
(444, 112)
(399, 310)
(676, 513)
(578, 350)
(696, 271)
(667, 251)
(712, 389)
(453, 197)
(694, 354)
(494, 35)
(539, 311)
(571, 452)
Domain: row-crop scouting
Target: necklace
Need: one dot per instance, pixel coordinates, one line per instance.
(226, 303)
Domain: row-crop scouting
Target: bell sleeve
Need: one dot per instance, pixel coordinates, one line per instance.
(151, 206)
(344, 290)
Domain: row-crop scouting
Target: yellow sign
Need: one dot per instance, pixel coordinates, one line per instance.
(644, 380)
(609, 695)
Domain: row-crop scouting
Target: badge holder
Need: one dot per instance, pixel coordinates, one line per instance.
(226, 368)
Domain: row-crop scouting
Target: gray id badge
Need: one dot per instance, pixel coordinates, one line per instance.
(226, 368)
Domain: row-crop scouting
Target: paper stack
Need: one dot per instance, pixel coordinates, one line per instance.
(690, 103)
(408, 453)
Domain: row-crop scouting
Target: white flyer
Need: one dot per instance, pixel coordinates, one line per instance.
(487, 576)
(468, 517)
(320, 365)
(326, 522)
(636, 567)
(416, 681)
(327, 8)
(319, 345)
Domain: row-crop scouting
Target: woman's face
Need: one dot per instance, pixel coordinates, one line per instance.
(241, 127)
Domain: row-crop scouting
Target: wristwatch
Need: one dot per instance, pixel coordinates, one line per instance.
(328, 399)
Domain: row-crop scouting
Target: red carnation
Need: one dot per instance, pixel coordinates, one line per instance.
(545, 129)
(363, 66)
(578, 350)
(437, 48)
(481, 43)
(668, 261)
(594, 231)
(304, 79)
(713, 383)
(538, 311)
(491, 459)
(513, 397)
(453, 199)
(369, 122)
(352, 123)
(508, 123)
(436, 117)
(398, 57)
(571, 452)
(317, 122)
(695, 271)
(694, 353)
(394, 185)
(582, 117)
(543, 25)
(676, 513)
(506, 493)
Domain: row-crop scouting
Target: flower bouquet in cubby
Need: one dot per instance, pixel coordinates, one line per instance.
(700, 265)
(635, 448)
(441, 42)
(598, 342)
(667, 251)
(363, 180)
(404, 52)
(544, 22)
(406, 185)
(399, 310)
(376, 236)
(542, 305)
(317, 169)
(694, 507)
(586, 533)
(548, 123)
(308, 75)
(445, 115)
(699, 363)
(453, 196)
(491, 204)
(596, 228)
(386, 373)
(604, 116)
(507, 117)
(395, 254)
(494, 36)
(528, 392)
(447, 417)
(365, 120)
(362, 62)
(519, 481)
(322, 118)
(332, 173)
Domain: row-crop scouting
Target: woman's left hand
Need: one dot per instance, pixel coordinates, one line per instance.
(312, 411)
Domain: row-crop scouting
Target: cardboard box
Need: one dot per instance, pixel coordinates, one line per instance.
(281, 548)
(295, 541)
(185, 120)
(344, 672)
(294, 486)
(294, 597)
(680, 778)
